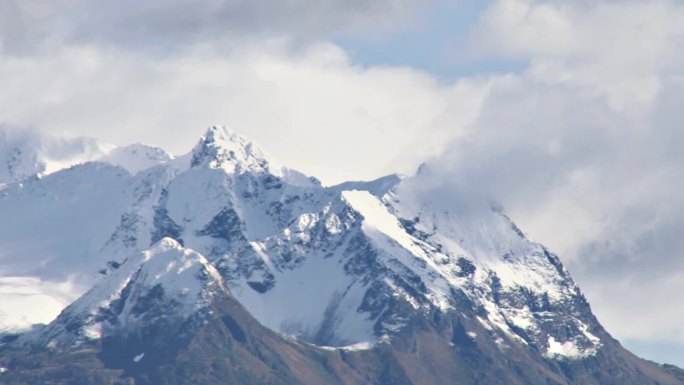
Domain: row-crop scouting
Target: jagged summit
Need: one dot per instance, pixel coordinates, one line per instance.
(220, 147)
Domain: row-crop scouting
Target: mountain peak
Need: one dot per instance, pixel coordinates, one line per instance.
(164, 281)
(222, 148)
(225, 135)
(166, 244)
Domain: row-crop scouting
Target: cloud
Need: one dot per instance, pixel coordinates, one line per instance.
(315, 110)
(155, 26)
(583, 148)
(613, 49)
(161, 71)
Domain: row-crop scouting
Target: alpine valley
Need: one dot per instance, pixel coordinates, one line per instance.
(127, 265)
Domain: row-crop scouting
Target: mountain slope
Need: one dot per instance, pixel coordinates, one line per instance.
(149, 321)
(366, 282)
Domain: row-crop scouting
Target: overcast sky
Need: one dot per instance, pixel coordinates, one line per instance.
(569, 113)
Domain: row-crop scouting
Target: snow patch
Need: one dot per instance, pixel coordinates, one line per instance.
(93, 332)
(567, 350)
(350, 348)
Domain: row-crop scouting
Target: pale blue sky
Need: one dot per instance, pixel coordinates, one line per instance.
(436, 40)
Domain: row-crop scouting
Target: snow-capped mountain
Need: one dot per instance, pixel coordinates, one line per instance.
(53, 220)
(304, 259)
(166, 279)
(368, 269)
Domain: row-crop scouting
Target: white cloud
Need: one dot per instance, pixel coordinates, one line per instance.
(609, 48)
(583, 148)
(314, 109)
(521, 28)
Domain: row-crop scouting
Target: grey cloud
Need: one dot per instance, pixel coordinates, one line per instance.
(539, 148)
(26, 25)
(584, 149)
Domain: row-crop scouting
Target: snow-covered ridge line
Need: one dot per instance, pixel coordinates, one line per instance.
(26, 153)
(511, 262)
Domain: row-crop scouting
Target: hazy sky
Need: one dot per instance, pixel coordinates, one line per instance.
(569, 113)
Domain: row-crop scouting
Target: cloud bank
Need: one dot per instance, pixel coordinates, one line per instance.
(316, 110)
(584, 148)
(157, 26)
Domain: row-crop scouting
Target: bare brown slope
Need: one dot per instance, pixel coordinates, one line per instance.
(230, 347)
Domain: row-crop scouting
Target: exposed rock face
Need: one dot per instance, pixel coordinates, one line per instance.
(224, 267)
